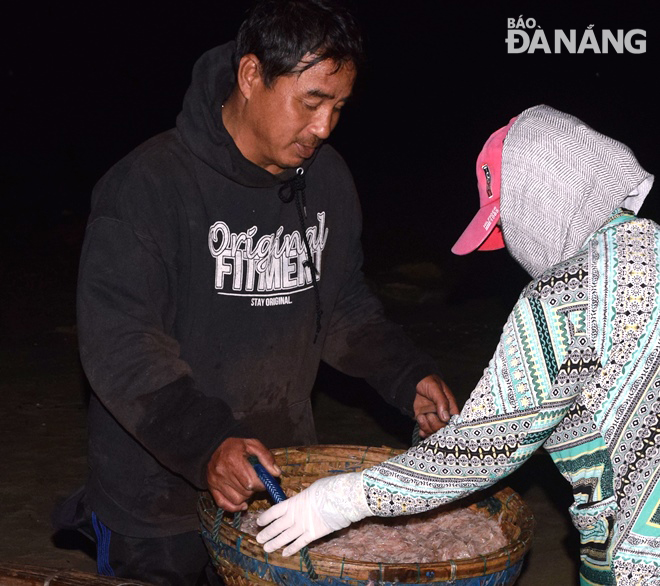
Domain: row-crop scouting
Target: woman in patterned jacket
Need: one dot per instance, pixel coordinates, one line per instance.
(577, 368)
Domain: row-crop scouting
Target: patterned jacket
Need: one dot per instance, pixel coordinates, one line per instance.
(577, 370)
(577, 367)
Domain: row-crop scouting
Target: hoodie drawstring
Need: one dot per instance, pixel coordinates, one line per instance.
(296, 191)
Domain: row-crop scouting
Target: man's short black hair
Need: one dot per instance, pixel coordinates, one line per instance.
(281, 32)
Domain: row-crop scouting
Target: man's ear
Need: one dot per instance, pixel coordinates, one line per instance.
(248, 75)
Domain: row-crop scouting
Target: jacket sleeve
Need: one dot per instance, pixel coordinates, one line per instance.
(522, 396)
(362, 342)
(126, 311)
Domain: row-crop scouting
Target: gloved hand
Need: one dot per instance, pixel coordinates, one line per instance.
(329, 504)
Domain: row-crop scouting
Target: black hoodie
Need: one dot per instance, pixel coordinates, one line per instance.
(198, 316)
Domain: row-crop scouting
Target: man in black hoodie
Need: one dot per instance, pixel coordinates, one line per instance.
(221, 264)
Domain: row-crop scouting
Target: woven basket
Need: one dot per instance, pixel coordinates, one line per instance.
(241, 561)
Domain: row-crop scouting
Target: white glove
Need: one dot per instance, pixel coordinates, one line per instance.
(329, 504)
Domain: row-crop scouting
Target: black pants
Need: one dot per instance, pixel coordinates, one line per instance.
(176, 560)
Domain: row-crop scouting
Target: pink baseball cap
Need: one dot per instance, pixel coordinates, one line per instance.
(482, 232)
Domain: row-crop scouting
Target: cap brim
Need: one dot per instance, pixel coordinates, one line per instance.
(479, 229)
(494, 241)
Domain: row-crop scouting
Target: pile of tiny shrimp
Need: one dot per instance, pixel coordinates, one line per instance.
(432, 537)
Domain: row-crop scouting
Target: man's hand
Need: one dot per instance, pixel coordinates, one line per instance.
(434, 405)
(231, 478)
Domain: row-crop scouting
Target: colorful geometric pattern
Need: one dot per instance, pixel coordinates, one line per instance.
(577, 370)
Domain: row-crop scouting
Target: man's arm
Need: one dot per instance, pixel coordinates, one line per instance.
(126, 310)
(362, 342)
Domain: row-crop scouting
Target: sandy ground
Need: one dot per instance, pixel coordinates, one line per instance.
(42, 421)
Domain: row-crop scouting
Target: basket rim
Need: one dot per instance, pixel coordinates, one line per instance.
(496, 560)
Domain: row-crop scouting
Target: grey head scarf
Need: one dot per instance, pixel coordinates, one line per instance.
(561, 180)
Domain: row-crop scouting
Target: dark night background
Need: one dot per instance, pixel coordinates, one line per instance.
(85, 82)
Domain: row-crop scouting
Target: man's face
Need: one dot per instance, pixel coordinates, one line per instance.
(289, 120)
